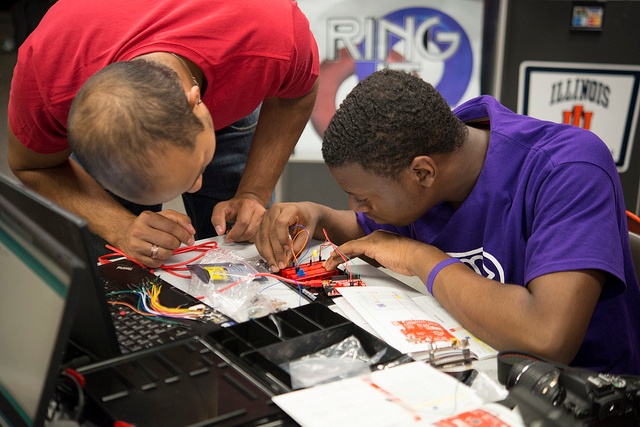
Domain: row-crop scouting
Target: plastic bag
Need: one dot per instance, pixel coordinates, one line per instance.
(488, 389)
(342, 360)
(229, 284)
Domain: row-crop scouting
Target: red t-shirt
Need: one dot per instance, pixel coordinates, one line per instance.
(248, 50)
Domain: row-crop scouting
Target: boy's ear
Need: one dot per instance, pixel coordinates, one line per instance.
(424, 170)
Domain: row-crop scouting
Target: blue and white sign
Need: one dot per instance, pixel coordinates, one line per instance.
(438, 40)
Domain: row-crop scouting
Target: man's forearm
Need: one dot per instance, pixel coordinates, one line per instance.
(69, 186)
(280, 125)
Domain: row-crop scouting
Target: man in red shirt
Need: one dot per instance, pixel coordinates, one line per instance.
(158, 78)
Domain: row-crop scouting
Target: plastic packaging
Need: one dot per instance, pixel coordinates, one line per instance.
(488, 389)
(341, 360)
(229, 284)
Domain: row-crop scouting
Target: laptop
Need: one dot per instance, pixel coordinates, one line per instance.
(39, 289)
(97, 332)
(184, 382)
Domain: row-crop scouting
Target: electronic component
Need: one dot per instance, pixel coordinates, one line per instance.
(319, 280)
(312, 270)
(452, 358)
(341, 281)
(311, 276)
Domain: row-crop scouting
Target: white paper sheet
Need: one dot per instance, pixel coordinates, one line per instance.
(410, 394)
(411, 325)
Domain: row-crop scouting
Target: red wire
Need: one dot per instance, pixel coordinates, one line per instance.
(308, 283)
(169, 268)
(335, 248)
(175, 268)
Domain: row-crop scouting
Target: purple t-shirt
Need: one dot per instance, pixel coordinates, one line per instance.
(548, 199)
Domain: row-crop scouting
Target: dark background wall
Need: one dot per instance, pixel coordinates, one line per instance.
(540, 30)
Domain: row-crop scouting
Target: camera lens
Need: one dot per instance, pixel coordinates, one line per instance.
(540, 378)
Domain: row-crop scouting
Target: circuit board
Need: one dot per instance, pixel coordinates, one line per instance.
(315, 279)
(312, 270)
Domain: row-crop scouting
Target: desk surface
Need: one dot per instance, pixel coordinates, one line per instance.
(371, 275)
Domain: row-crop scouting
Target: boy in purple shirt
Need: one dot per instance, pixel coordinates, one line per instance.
(517, 226)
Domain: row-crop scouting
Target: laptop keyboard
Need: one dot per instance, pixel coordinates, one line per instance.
(137, 331)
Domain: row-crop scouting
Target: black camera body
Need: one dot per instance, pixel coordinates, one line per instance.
(549, 394)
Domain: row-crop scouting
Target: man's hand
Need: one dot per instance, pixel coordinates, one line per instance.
(245, 212)
(166, 230)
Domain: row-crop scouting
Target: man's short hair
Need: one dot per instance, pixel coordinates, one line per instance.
(123, 117)
(388, 119)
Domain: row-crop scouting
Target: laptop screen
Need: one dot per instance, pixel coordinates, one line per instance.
(37, 287)
(92, 329)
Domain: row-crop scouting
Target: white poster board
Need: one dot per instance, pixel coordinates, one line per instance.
(439, 40)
